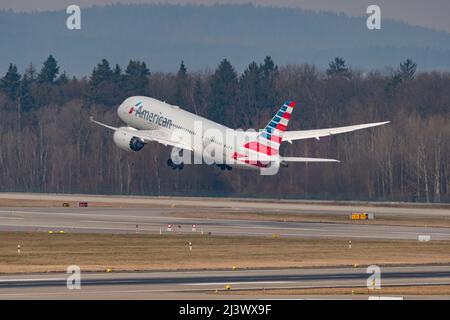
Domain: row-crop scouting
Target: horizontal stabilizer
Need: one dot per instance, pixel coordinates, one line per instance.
(300, 159)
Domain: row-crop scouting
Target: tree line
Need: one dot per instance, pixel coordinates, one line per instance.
(47, 143)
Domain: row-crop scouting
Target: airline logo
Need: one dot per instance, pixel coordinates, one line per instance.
(159, 119)
(270, 139)
(132, 108)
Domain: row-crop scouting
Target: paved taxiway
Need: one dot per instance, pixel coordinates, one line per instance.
(152, 220)
(203, 284)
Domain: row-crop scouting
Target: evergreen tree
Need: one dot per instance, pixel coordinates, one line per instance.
(26, 99)
(407, 70)
(102, 72)
(181, 84)
(250, 83)
(10, 82)
(338, 67)
(224, 85)
(250, 93)
(62, 79)
(198, 95)
(117, 76)
(136, 78)
(266, 90)
(105, 85)
(49, 71)
(31, 73)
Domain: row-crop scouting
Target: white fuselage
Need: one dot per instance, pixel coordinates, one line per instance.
(201, 134)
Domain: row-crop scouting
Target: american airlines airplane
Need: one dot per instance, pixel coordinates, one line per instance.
(148, 119)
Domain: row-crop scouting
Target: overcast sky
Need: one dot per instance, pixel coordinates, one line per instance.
(427, 13)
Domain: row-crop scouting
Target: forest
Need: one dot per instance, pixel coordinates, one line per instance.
(48, 144)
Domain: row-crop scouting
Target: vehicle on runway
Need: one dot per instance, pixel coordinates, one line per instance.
(149, 119)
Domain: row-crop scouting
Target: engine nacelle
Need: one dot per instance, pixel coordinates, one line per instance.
(126, 141)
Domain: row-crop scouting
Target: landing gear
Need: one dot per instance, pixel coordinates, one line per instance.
(174, 166)
(176, 155)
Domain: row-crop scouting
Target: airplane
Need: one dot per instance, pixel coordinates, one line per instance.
(151, 120)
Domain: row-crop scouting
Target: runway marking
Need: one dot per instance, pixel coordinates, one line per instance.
(12, 218)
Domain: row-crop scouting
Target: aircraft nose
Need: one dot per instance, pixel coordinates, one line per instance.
(122, 110)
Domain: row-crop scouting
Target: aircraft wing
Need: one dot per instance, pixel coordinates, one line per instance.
(318, 133)
(91, 118)
(150, 135)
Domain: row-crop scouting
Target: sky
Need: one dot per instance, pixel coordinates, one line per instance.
(426, 13)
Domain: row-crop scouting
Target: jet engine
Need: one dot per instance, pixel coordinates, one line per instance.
(126, 141)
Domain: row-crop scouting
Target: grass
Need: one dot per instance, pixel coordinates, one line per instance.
(41, 252)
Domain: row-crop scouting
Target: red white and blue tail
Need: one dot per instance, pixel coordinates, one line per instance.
(268, 142)
(274, 130)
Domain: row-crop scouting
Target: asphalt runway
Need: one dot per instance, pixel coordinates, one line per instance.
(155, 220)
(210, 284)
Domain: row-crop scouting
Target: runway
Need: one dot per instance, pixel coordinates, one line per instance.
(155, 220)
(264, 205)
(209, 284)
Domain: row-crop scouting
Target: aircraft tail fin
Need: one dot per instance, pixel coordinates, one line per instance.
(269, 140)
